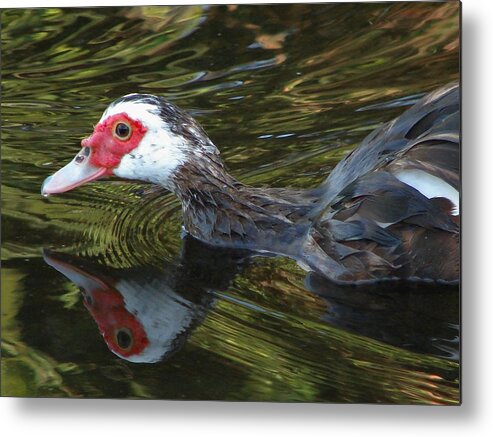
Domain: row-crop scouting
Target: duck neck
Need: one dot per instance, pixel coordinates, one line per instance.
(220, 210)
(210, 198)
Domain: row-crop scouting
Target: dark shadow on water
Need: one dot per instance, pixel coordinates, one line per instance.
(419, 317)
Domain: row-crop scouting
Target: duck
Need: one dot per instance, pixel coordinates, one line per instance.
(389, 210)
(144, 314)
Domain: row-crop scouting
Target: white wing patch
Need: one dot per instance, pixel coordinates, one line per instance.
(430, 186)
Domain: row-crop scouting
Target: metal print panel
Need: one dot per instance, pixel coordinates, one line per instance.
(236, 202)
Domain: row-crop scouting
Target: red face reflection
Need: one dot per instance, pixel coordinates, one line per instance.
(122, 331)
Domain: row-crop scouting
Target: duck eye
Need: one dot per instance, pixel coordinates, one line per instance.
(122, 131)
(124, 338)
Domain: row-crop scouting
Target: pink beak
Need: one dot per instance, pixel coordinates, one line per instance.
(77, 275)
(75, 173)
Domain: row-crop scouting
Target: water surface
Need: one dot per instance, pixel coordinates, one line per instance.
(285, 92)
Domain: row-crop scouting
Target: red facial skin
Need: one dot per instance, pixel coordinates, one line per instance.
(107, 149)
(107, 307)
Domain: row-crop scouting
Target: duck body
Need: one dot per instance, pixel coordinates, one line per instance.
(389, 210)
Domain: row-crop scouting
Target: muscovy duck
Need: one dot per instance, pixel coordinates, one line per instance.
(389, 210)
(146, 313)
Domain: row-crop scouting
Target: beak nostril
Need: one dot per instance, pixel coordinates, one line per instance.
(84, 153)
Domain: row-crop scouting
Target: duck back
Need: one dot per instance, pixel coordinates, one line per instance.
(391, 209)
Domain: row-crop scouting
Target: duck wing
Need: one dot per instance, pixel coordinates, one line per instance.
(381, 228)
(391, 207)
(424, 138)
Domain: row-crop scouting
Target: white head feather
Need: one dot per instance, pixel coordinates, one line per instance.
(160, 151)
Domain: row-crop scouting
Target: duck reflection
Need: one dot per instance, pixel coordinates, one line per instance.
(146, 314)
(418, 317)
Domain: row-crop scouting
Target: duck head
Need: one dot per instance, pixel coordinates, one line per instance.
(142, 314)
(139, 137)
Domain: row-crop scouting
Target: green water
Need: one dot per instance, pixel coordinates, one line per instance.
(285, 92)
